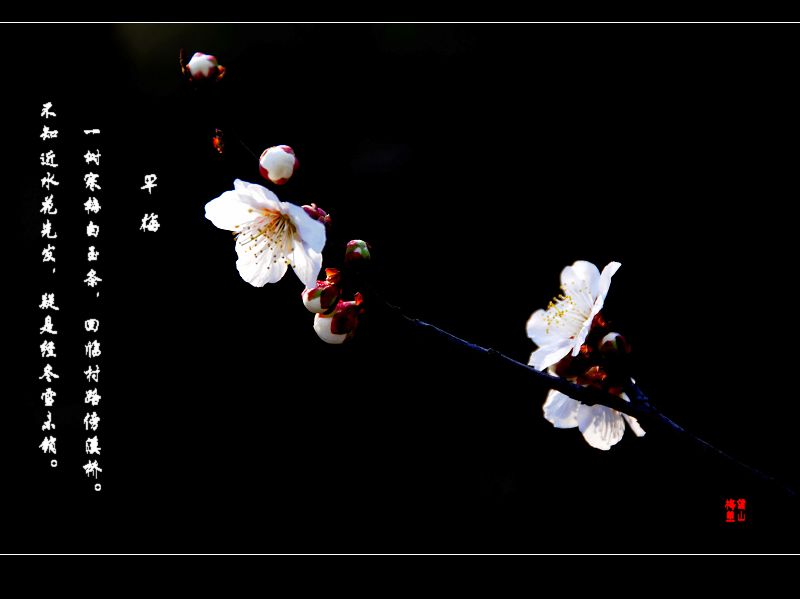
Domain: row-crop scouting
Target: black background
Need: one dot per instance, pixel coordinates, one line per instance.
(478, 161)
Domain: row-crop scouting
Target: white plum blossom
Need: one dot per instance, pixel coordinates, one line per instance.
(561, 330)
(601, 427)
(270, 235)
(563, 327)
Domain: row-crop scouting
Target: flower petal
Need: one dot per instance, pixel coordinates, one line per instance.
(311, 231)
(602, 427)
(550, 354)
(306, 262)
(537, 328)
(581, 281)
(580, 337)
(229, 211)
(635, 426)
(258, 270)
(258, 195)
(632, 422)
(322, 325)
(551, 332)
(604, 284)
(561, 410)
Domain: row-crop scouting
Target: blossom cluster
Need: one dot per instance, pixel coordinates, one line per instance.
(272, 236)
(575, 342)
(573, 338)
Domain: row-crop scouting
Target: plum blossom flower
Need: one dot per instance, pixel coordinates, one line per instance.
(562, 330)
(601, 427)
(270, 235)
(563, 327)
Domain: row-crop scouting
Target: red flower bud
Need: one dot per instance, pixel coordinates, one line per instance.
(340, 325)
(324, 297)
(356, 252)
(317, 213)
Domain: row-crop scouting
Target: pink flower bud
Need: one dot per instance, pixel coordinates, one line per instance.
(317, 213)
(339, 325)
(357, 252)
(325, 296)
(277, 164)
(204, 67)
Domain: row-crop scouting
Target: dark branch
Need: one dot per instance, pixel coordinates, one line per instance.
(639, 407)
(585, 395)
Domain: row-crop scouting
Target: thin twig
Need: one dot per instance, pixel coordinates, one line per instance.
(244, 145)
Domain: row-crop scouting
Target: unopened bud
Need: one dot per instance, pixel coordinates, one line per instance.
(204, 67)
(317, 213)
(614, 343)
(278, 164)
(340, 325)
(356, 253)
(323, 297)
